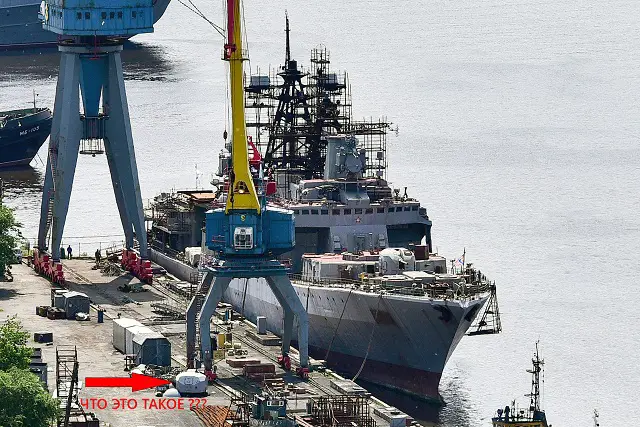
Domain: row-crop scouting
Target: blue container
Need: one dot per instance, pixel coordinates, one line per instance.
(100, 316)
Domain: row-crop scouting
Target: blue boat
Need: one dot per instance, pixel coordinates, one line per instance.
(22, 133)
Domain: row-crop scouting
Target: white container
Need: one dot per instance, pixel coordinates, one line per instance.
(119, 337)
(130, 333)
(191, 382)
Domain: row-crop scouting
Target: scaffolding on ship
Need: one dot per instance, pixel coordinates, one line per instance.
(291, 111)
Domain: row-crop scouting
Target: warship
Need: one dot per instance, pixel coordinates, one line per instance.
(22, 133)
(21, 24)
(383, 306)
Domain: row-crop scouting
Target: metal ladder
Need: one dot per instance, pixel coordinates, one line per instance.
(53, 159)
(200, 294)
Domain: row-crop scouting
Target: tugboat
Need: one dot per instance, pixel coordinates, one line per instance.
(531, 417)
(22, 133)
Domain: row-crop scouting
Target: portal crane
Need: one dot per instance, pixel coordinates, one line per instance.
(91, 35)
(247, 234)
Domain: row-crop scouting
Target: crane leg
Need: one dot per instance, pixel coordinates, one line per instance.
(120, 149)
(191, 317)
(214, 296)
(66, 132)
(291, 304)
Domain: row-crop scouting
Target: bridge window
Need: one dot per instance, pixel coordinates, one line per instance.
(368, 211)
(112, 15)
(324, 212)
(358, 211)
(305, 211)
(104, 15)
(87, 15)
(134, 14)
(380, 210)
(407, 208)
(120, 15)
(79, 15)
(296, 211)
(314, 211)
(335, 212)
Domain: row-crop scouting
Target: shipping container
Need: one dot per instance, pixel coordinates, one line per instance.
(76, 302)
(152, 349)
(130, 333)
(119, 337)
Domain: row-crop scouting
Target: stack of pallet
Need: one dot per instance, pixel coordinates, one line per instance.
(259, 371)
(213, 416)
(241, 362)
(276, 386)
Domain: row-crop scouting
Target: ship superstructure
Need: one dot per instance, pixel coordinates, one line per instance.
(533, 416)
(382, 306)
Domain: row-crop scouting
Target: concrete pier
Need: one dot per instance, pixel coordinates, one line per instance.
(98, 358)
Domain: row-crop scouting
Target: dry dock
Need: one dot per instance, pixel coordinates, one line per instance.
(98, 358)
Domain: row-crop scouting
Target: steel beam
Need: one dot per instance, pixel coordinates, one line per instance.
(66, 131)
(214, 296)
(192, 313)
(122, 157)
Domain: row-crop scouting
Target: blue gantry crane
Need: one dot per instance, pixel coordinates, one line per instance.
(247, 234)
(91, 35)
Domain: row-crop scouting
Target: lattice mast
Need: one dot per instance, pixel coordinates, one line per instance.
(534, 396)
(294, 110)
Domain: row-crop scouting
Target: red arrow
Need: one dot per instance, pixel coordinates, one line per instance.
(136, 382)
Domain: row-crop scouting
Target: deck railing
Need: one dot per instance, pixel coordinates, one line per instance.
(440, 290)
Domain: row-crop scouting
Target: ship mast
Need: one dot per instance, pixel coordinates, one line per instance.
(538, 364)
(242, 191)
(288, 31)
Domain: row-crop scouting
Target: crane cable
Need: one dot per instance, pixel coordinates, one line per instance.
(335, 332)
(375, 322)
(193, 8)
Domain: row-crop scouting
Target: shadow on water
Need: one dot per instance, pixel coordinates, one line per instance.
(453, 412)
(21, 179)
(140, 61)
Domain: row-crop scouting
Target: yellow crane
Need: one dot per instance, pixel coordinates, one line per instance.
(242, 191)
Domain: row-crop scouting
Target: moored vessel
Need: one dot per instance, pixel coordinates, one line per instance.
(22, 133)
(383, 306)
(533, 416)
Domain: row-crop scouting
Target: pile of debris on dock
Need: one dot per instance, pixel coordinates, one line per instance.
(336, 411)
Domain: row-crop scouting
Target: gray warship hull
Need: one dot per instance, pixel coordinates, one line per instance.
(401, 342)
(397, 341)
(21, 28)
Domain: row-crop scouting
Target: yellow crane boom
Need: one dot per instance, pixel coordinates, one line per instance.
(242, 192)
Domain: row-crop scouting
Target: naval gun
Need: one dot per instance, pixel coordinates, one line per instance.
(247, 234)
